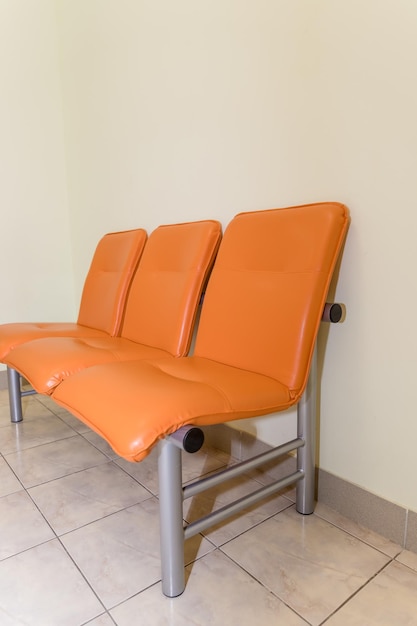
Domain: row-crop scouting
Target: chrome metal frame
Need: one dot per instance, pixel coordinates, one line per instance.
(172, 494)
(16, 394)
(173, 532)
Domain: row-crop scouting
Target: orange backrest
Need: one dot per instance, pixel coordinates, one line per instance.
(167, 286)
(267, 290)
(109, 277)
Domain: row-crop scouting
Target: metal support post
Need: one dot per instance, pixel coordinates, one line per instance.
(306, 424)
(171, 520)
(15, 395)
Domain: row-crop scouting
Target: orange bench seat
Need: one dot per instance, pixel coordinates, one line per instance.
(145, 401)
(256, 335)
(254, 354)
(103, 297)
(158, 317)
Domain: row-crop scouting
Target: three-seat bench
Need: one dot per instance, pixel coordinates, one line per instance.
(254, 354)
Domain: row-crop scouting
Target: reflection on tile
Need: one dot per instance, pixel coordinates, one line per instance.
(76, 500)
(368, 536)
(4, 396)
(275, 470)
(4, 415)
(224, 494)
(22, 526)
(30, 433)
(31, 409)
(390, 598)
(53, 460)
(215, 594)
(42, 586)
(8, 481)
(119, 555)
(301, 557)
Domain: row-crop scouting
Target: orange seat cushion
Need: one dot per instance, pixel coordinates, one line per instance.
(133, 404)
(108, 279)
(159, 315)
(47, 362)
(256, 336)
(15, 334)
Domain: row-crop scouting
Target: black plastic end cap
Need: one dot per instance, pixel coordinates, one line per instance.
(193, 440)
(336, 312)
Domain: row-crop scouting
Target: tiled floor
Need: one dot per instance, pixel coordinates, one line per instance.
(80, 544)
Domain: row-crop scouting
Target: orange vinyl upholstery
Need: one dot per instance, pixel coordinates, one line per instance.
(103, 298)
(159, 315)
(256, 336)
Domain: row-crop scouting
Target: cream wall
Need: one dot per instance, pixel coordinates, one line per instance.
(180, 110)
(192, 109)
(35, 252)
(367, 86)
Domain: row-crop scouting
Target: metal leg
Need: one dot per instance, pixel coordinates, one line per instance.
(306, 420)
(171, 520)
(15, 395)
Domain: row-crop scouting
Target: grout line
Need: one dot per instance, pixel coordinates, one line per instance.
(365, 584)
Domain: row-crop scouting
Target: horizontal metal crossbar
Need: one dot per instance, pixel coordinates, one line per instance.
(240, 468)
(238, 505)
(172, 493)
(28, 392)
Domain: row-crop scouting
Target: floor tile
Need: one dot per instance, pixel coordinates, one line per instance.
(99, 443)
(4, 414)
(119, 555)
(50, 403)
(52, 460)
(382, 516)
(78, 499)
(30, 433)
(390, 599)
(102, 620)
(8, 481)
(275, 470)
(300, 558)
(145, 472)
(4, 397)
(22, 526)
(215, 594)
(226, 493)
(72, 421)
(31, 409)
(364, 534)
(271, 566)
(408, 558)
(42, 587)
(193, 466)
(63, 414)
